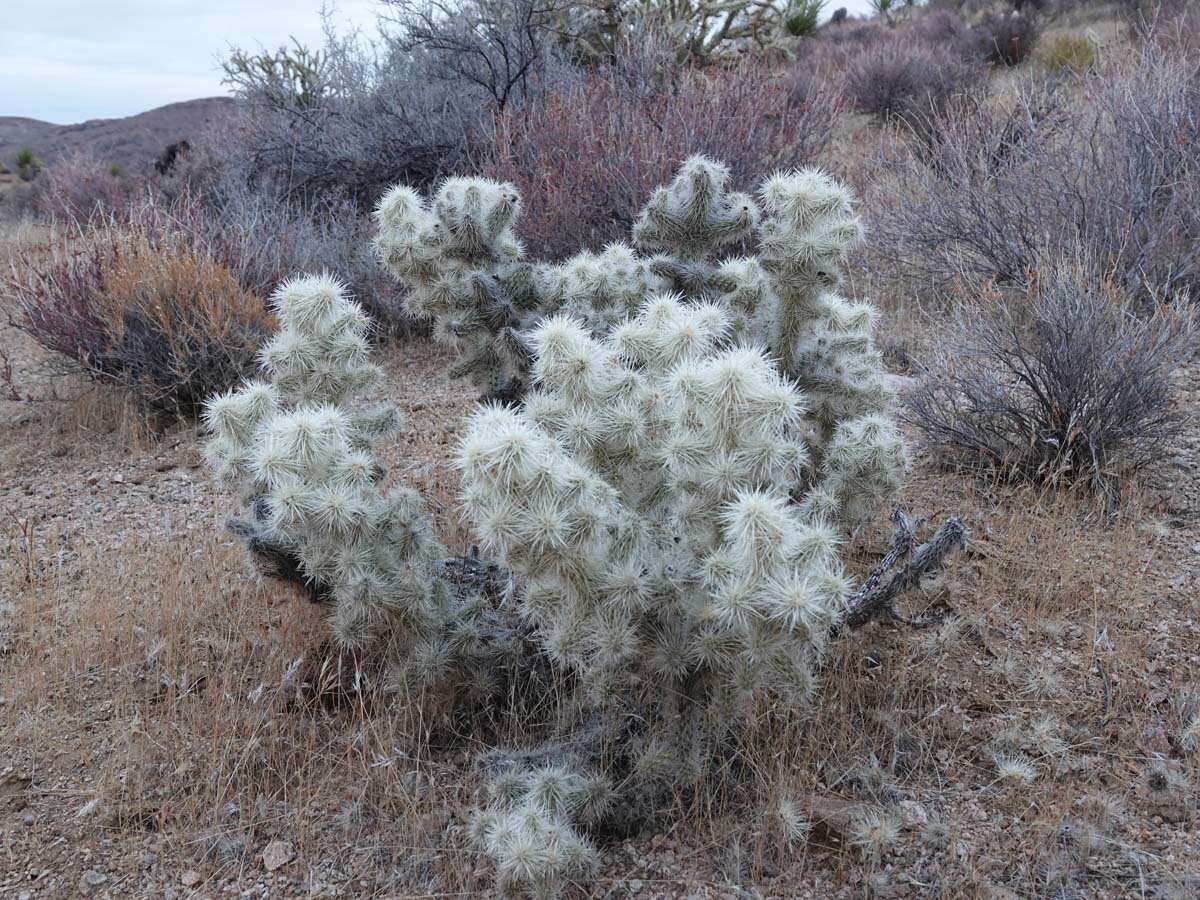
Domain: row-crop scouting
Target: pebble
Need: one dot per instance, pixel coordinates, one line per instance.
(91, 881)
(277, 854)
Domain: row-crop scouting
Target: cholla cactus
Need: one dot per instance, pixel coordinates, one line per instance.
(599, 289)
(688, 222)
(463, 267)
(824, 342)
(300, 453)
(528, 828)
(643, 491)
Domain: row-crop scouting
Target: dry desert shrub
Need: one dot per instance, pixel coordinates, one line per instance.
(1066, 384)
(145, 311)
(586, 157)
(206, 199)
(80, 186)
(898, 80)
(1007, 38)
(1109, 163)
(180, 324)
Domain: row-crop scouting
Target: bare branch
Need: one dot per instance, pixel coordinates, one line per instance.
(871, 601)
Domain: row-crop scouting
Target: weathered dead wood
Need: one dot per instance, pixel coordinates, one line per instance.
(876, 599)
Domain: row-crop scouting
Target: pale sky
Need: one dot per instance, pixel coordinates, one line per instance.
(65, 61)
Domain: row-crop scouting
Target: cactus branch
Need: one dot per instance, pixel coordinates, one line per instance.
(874, 600)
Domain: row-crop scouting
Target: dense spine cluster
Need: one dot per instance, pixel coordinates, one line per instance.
(463, 267)
(686, 224)
(528, 827)
(300, 453)
(821, 340)
(644, 493)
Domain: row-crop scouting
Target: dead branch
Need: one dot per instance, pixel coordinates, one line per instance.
(875, 599)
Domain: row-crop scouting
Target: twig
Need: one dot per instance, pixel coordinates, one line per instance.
(7, 380)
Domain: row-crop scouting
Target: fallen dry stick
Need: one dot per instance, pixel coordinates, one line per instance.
(875, 599)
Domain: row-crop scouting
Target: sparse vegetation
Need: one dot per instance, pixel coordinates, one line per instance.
(641, 626)
(910, 83)
(613, 138)
(1112, 170)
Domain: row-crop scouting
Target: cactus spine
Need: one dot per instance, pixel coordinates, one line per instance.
(464, 267)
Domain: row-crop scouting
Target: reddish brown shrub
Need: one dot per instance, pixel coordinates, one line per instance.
(587, 158)
(78, 187)
(143, 310)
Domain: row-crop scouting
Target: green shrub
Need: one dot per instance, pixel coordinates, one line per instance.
(1070, 53)
(28, 164)
(802, 17)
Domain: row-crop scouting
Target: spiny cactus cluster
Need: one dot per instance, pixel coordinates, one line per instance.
(644, 490)
(464, 267)
(529, 828)
(697, 435)
(645, 493)
(784, 298)
(300, 453)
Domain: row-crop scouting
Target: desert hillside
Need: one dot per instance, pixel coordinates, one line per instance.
(133, 142)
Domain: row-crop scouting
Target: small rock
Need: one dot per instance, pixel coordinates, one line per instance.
(277, 854)
(913, 814)
(91, 881)
(27, 819)
(93, 480)
(190, 878)
(118, 479)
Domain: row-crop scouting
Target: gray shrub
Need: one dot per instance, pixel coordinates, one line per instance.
(1065, 385)
(990, 191)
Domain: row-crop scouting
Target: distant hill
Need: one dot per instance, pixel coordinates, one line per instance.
(133, 142)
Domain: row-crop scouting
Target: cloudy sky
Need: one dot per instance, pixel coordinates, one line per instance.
(84, 59)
